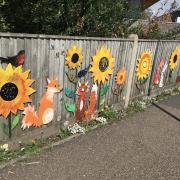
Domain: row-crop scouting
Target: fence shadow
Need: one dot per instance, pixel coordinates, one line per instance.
(165, 111)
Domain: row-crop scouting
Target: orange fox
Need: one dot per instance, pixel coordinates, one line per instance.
(46, 111)
(81, 111)
(81, 101)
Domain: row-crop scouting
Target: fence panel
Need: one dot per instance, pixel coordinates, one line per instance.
(139, 90)
(164, 51)
(45, 57)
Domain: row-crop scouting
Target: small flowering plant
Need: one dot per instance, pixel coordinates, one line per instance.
(76, 128)
(101, 120)
(5, 147)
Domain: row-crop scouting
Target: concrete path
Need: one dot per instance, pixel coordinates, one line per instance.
(145, 146)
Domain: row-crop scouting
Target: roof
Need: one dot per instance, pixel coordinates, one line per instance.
(143, 4)
(147, 3)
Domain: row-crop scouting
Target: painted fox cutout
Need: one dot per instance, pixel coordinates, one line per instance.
(82, 112)
(46, 110)
(157, 74)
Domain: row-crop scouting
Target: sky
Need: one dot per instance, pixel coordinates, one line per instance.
(156, 6)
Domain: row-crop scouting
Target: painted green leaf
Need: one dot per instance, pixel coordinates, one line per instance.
(15, 121)
(104, 90)
(70, 107)
(69, 93)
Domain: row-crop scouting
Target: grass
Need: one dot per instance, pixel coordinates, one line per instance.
(28, 149)
(35, 147)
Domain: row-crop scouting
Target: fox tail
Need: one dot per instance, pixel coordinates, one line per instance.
(30, 118)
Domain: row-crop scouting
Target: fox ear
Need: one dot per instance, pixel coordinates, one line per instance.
(48, 80)
(56, 78)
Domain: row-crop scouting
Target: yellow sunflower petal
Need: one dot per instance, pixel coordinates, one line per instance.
(6, 112)
(18, 69)
(29, 82)
(103, 56)
(30, 91)
(9, 69)
(26, 74)
(14, 111)
(21, 107)
(17, 80)
(74, 57)
(174, 59)
(143, 65)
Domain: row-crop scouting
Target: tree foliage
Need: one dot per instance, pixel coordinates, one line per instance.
(68, 17)
(3, 24)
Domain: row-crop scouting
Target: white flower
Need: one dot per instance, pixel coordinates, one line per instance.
(5, 147)
(66, 123)
(76, 128)
(101, 120)
(22, 149)
(141, 104)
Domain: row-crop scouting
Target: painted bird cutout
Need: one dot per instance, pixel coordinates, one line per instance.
(16, 60)
(83, 72)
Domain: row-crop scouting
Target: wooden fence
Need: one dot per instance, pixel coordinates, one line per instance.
(45, 57)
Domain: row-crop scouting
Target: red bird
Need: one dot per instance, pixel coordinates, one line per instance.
(17, 60)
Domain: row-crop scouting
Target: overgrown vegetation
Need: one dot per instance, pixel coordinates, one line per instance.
(30, 149)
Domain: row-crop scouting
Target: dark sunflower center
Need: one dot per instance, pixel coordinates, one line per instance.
(175, 58)
(75, 58)
(103, 64)
(9, 91)
(121, 77)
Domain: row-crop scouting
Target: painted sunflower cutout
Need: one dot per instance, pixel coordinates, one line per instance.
(102, 65)
(14, 89)
(175, 57)
(120, 76)
(74, 57)
(143, 65)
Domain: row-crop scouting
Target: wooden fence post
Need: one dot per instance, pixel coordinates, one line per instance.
(131, 69)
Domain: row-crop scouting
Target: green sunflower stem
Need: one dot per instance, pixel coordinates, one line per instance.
(9, 124)
(99, 95)
(76, 85)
